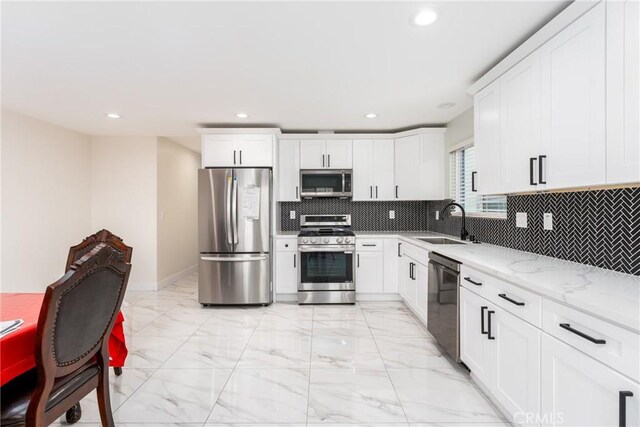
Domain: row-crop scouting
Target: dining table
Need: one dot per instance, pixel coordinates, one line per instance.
(17, 348)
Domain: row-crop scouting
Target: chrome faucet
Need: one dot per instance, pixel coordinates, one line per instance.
(463, 231)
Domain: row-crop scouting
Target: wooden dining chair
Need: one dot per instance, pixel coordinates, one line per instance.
(88, 243)
(72, 356)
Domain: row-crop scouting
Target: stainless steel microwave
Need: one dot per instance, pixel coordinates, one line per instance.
(325, 183)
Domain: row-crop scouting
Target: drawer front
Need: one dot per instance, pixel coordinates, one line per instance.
(517, 301)
(475, 281)
(614, 346)
(415, 252)
(287, 244)
(369, 245)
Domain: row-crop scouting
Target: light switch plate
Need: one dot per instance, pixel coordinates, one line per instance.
(392, 214)
(521, 219)
(548, 221)
(292, 214)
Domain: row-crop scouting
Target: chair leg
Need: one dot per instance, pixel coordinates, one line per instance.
(104, 399)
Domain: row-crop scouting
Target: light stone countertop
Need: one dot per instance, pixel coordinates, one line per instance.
(607, 294)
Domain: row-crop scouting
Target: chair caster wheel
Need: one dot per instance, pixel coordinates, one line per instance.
(74, 414)
(117, 371)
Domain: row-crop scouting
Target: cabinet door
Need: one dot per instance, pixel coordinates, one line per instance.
(407, 283)
(431, 172)
(289, 170)
(407, 168)
(516, 358)
(383, 169)
(487, 139)
(474, 347)
(369, 272)
(573, 103)
(255, 150)
(391, 262)
(520, 126)
(312, 154)
(219, 150)
(339, 153)
(623, 86)
(286, 272)
(577, 390)
(422, 286)
(363, 169)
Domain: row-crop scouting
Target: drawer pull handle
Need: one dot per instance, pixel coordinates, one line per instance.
(512, 301)
(468, 279)
(489, 313)
(369, 245)
(623, 407)
(482, 310)
(582, 334)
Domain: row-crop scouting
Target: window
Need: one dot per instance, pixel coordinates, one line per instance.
(461, 165)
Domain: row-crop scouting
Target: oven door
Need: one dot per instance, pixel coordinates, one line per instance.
(325, 183)
(326, 269)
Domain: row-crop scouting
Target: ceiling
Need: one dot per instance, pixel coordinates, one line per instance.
(169, 67)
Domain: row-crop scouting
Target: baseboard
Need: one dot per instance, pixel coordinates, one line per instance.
(377, 297)
(142, 286)
(175, 277)
(286, 297)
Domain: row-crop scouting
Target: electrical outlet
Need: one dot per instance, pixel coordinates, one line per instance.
(392, 214)
(548, 221)
(521, 219)
(292, 214)
(437, 215)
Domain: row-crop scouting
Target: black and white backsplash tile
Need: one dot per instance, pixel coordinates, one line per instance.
(365, 216)
(600, 228)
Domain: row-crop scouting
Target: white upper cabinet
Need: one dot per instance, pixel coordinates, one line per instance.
(408, 168)
(289, 170)
(312, 153)
(432, 166)
(339, 152)
(520, 126)
(232, 150)
(373, 169)
(623, 86)
(326, 154)
(573, 104)
(487, 138)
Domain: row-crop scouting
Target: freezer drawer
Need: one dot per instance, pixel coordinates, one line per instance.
(234, 279)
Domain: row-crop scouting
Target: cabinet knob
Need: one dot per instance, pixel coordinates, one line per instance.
(286, 245)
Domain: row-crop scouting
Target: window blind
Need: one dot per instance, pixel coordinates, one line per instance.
(462, 162)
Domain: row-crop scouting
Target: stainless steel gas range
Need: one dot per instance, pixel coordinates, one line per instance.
(326, 249)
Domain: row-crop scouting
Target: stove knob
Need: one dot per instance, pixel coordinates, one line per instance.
(339, 240)
(347, 239)
(326, 240)
(305, 240)
(313, 240)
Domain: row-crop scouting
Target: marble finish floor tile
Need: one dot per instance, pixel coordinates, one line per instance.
(174, 395)
(208, 352)
(353, 396)
(338, 313)
(263, 396)
(345, 352)
(348, 327)
(442, 395)
(408, 352)
(151, 352)
(276, 349)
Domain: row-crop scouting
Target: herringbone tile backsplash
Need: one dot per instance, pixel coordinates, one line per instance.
(600, 228)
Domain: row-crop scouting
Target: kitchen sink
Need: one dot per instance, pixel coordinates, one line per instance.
(441, 241)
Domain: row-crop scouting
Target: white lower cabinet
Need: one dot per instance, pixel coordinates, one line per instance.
(413, 278)
(286, 266)
(370, 272)
(474, 345)
(580, 391)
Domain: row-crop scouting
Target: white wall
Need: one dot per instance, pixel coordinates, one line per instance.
(124, 199)
(459, 129)
(177, 209)
(46, 201)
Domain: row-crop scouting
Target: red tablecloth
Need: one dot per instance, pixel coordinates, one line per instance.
(17, 349)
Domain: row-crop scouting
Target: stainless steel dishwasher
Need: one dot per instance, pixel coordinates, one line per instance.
(443, 320)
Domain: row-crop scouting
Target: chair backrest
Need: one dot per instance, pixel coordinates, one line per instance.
(79, 311)
(103, 236)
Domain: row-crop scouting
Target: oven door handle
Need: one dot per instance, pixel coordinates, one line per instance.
(326, 249)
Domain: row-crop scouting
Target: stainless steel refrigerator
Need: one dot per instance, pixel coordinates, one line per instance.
(234, 236)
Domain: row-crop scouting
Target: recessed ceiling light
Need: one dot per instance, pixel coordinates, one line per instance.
(424, 18)
(113, 115)
(446, 105)
(371, 115)
(242, 115)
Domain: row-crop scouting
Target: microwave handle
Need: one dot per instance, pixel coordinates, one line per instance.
(343, 184)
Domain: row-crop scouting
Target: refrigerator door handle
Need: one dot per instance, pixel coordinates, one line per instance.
(230, 259)
(234, 209)
(227, 219)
